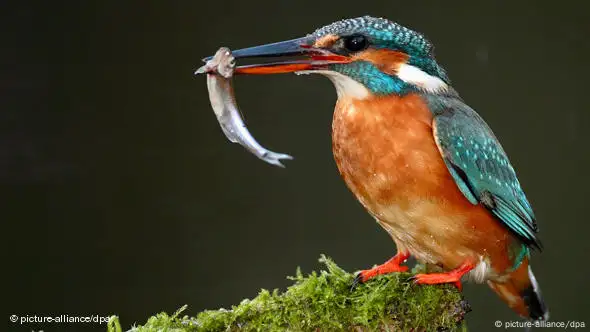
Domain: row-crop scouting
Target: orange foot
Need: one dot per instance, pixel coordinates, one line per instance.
(392, 265)
(453, 276)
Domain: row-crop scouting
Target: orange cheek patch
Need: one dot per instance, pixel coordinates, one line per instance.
(386, 60)
(326, 41)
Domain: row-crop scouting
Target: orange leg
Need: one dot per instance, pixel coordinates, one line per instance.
(392, 265)
(453, 276)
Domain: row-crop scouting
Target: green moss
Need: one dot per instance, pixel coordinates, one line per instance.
(324, 301)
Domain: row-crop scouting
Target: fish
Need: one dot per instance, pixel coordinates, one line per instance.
(220, 70)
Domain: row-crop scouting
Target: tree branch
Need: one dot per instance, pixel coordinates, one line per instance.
(324, 301)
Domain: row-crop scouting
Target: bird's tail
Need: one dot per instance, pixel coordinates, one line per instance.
(522, 293)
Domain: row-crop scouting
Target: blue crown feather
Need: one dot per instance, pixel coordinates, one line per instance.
(382, 33)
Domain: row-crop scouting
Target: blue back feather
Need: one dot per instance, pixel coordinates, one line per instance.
(480, 166)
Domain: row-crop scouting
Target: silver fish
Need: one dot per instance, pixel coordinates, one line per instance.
(219, 72)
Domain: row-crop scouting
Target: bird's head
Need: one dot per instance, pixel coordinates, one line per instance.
(362, 56)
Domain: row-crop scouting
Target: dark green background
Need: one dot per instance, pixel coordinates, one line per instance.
(120, 194)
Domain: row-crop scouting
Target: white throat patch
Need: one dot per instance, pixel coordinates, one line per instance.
(346, 87)
(414, 75)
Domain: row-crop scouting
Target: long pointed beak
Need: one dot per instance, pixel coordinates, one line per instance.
(303, 57)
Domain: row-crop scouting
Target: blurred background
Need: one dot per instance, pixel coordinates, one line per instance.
(121, 195)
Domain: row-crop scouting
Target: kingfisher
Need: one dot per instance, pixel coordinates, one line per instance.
(422, 162)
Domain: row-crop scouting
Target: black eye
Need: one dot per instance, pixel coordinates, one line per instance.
(355, 43)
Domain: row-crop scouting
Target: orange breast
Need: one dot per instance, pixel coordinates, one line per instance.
(386, 153)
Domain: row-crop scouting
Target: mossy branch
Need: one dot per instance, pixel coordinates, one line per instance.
(324, 301)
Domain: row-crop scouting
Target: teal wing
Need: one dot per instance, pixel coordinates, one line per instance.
(481, 169)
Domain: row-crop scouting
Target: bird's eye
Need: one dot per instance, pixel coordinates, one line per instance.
(355, 43)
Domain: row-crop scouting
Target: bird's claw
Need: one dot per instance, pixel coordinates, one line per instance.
(365, 275)
(358, 280)
(391, 266)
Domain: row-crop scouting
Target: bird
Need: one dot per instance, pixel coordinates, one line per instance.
(423, 163)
